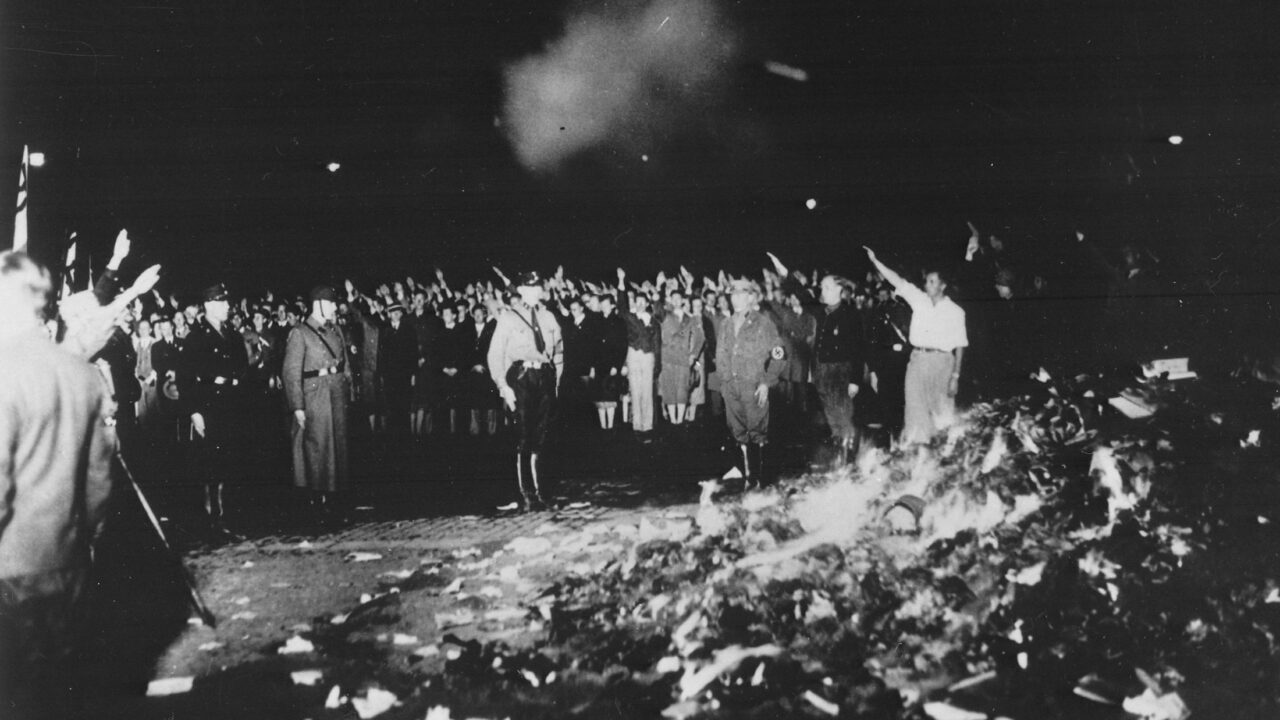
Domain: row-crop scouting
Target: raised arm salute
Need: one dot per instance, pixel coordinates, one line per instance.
(938, 338)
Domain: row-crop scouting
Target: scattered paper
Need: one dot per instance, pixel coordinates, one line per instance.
(438, 712)
(169, 686)
(578, 505)
(820, 702)
(295, 645)
(398, 574)
(363, 557)
(1029, 576)
(733, 474)
(335, 699)
(247, 564)
(206, 647)
(306, 677)
(241, 601)
(1149, 706)
(508, 507)
(404, 639)
(245, 615)
(943, 711)
(452, 587)
(427, 651)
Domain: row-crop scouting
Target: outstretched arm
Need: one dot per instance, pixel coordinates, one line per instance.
(894, 278)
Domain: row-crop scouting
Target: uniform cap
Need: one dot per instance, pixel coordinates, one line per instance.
(323, 292)
(528, 279)
(744, 285)
(214, 292)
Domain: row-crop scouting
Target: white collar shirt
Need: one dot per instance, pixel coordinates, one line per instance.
(935, 327)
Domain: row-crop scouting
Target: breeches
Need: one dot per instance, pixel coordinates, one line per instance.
(748, 422)
(535, 390)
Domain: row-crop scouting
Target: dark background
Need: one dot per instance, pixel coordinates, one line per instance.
(204, 128)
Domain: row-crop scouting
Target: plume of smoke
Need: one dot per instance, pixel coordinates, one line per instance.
(616, 77)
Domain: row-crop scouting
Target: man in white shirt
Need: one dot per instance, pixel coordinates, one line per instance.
(938, 339)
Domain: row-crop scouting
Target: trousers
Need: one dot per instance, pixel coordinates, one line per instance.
(929, 407)
(832, 381)
(640, 377)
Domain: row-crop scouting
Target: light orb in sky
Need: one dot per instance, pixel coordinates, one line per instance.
(1175, 139)
(333, 167)
(811, 203)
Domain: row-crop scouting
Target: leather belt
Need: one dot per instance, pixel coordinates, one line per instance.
(307, 374)
(932, 350)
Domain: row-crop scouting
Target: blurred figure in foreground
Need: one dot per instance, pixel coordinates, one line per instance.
(55, 458)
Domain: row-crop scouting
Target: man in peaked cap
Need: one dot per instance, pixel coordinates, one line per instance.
(750, 357)
(526, 359)
(218, 366)
(317, 384)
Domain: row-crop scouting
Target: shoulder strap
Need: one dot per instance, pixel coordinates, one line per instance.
(320, 337)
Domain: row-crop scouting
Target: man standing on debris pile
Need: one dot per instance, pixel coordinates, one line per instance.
(526, 359)
(938, 339)
(841, 362)
(55, 459)
(750, 358)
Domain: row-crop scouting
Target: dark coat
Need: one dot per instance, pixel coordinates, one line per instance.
(320, 446)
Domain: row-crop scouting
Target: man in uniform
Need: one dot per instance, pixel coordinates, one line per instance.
(317, 385)
(749, 357)
(526, 359)
(218, 366)
(841, 358)
(939, 338)
(55, 460)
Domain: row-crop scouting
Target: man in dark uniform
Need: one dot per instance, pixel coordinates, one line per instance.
(218, 367)
(526, 360)
(317, 383)
(750, 358)
(841, 358)
(888, 352)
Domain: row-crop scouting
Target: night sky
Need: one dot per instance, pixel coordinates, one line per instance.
(205, 128)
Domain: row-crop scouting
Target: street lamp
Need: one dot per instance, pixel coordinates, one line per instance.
(36, 159)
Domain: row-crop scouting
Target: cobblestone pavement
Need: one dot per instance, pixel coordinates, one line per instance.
(444, 533)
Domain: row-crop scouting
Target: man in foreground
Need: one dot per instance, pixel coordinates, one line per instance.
(55, 459)
(526, 359)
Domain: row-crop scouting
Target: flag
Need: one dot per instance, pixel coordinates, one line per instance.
(68, 266)
(20, 219)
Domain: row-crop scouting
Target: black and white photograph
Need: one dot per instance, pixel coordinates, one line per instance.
(630, 359)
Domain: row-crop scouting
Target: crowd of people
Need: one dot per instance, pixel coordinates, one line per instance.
(211, 376)
(215, 374)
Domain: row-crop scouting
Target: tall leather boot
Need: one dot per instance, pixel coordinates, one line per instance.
(537, 503)
(522, 481)
(749, 468)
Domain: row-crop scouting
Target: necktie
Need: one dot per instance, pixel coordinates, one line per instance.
(537, 331)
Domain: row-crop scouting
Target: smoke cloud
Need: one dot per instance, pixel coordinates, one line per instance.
(617, 77)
